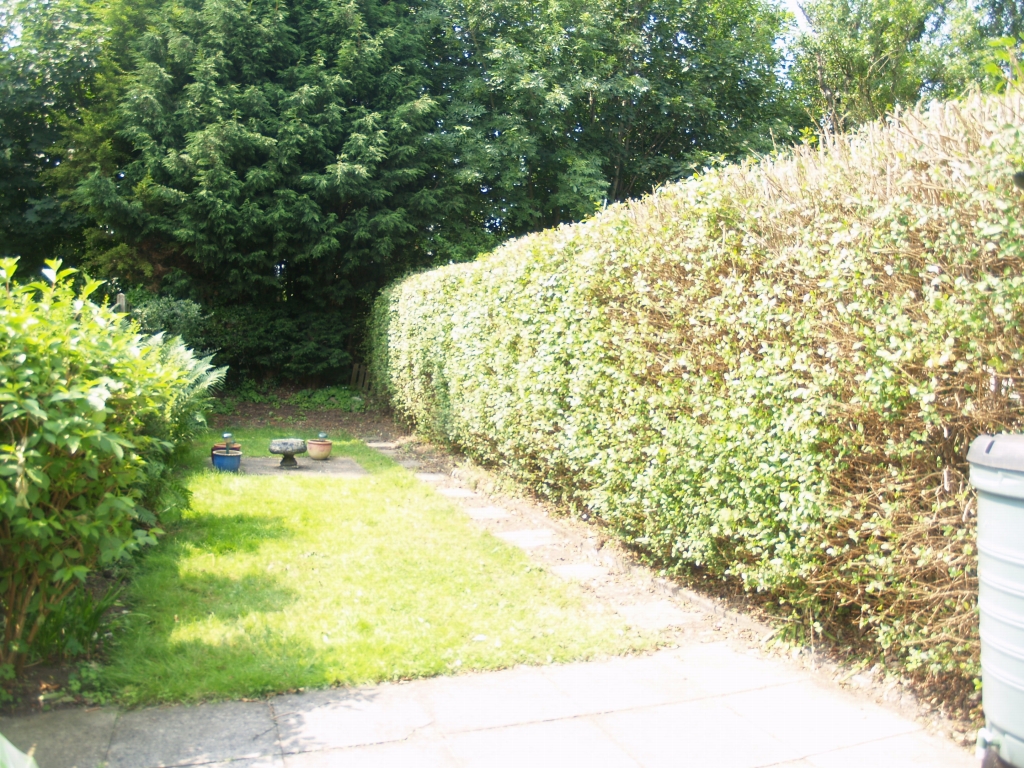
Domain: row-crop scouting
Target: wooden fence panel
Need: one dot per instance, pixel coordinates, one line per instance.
(360, 377)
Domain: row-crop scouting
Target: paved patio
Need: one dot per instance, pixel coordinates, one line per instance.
(705, 704)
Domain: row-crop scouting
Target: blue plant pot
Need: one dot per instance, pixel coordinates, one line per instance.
(227, 461)
(223, 447)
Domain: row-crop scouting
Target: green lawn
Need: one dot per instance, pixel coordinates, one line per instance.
(275, 583)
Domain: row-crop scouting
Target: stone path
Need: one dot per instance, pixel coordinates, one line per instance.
(574, 553)
(705, 704)
(714, 699)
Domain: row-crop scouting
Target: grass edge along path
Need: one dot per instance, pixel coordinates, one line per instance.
(273, 584)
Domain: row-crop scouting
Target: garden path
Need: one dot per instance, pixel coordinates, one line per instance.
(714, 695)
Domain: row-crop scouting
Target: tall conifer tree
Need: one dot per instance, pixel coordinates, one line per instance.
(274, 168)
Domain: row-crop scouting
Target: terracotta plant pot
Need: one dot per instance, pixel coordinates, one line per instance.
(227, 461)
(318, 450)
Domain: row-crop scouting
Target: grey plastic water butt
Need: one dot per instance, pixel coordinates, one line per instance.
(997, 473)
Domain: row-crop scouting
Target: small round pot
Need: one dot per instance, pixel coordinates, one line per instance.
(319, 450)
(227, 461)
(224, 447)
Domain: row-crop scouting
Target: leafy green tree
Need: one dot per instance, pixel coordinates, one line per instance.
(858, 59)
(278, 162)
(1002, 18)
(552, 109)
(48, 57)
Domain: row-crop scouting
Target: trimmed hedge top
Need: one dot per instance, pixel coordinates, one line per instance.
(769, 373)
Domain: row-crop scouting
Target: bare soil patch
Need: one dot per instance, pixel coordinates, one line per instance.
(370, 425)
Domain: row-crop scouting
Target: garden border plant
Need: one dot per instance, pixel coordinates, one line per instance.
(92, 413)
(767, 374)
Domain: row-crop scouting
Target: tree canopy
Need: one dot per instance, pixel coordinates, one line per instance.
(556, 108)
(273, 162)
(48, 57)
(278, 161)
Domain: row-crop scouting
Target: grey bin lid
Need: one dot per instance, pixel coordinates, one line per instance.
(998, 452)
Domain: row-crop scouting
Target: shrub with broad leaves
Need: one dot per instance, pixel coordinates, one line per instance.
(91, 412)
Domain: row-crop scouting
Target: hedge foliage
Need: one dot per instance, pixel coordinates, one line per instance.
(769, 373)
(91, 412)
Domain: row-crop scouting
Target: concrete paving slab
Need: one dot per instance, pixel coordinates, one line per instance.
(624, 683)
(269, 761)
(580, 572)
(695, 733)
(528, 539)
(914, 750)
(813, 719)
(487, 513)
(720, 670)
(701, 704)
(334, 466)
(382, 446)
(457, 493)
(409, 463)
(492, 700)
(660, 614)
(414, 753)
(558, 744)
(67, 738)
(339, 718)
(173, 736)
(431, 477)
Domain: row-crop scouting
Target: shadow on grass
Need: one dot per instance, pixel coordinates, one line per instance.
(198, 629)
(225, 534)
(224, 597)
(214, 617)
(240, 664)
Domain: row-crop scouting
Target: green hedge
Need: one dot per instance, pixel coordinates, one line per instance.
(768, 374)
(91, 412)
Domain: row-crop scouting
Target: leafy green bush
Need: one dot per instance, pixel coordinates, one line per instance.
(254, 342)
(767, 374)
(327, 399)
(174, 317)
(260, 393)
(92, 412)
(73, 626)
(323, 399)
(247, 391)
(276, 341)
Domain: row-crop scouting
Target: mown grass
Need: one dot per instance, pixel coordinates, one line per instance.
(271, 584)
